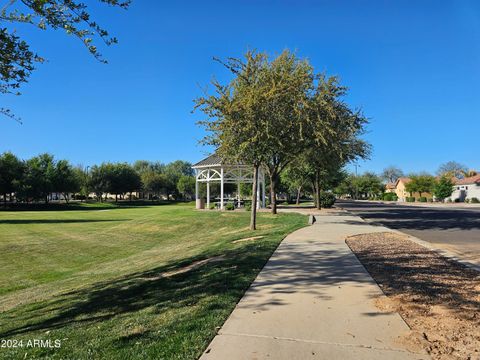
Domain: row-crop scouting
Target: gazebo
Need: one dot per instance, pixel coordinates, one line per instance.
(213, 170)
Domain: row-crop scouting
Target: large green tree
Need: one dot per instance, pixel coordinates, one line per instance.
(11, 174)
(422, 183)
(17, 60)
(334, 134)
(39, 176)
(443, 188)
(186, 186)
(173, 172)
(99, 179)
(235, 114)
(259, 117)
(367, 185)
(154, 183)
(65, 179)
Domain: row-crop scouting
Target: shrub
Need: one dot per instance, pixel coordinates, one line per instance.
(230, 206)
(422, 199)
(248, 207)
(474, 200)
(410, 199)
(457, 200)
(430, 200)
(212, 206)
(286, 203)
(390, 197)
(467, 200)
(327, 199)
(449, 200)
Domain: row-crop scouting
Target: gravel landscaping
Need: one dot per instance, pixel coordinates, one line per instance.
(437, 297)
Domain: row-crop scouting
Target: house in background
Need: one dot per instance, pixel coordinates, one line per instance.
(402, 193)
(390, 188)
(400, 188)
(466, 188)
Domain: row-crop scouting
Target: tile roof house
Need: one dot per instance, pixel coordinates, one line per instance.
(466, 188)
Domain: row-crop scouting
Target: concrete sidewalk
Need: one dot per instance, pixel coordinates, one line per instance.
(313, 300)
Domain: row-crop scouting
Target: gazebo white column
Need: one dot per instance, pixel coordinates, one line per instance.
(196, 185)
(197, 202)
(221, 188)
(208, 189)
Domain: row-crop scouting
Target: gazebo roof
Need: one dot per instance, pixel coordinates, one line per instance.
(212, 160)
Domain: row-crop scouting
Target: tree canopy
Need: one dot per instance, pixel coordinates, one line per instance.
(276, 110)
(422, 183)
(453, 169)
(391, 174)
(443, 188)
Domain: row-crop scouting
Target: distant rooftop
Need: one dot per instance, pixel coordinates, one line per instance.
(468, 180)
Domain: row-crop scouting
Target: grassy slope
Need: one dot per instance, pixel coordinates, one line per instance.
(94, 278)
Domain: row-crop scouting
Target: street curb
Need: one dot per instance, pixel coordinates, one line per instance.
(445, 253)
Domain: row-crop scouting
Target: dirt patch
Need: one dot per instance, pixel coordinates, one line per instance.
(438, 297)
(190, 267)
(248, 239)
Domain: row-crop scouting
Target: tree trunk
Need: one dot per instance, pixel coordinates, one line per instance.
(273, 192)
(116, 197)
(46, 199)
(298, 195)
(253, 213)
(317, 191)
(130, 196)
(5, 199)
(65, 196)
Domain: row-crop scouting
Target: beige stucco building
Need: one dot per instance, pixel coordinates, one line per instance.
(402, 193)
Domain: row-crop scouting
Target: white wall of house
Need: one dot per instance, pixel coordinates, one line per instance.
(466, 191)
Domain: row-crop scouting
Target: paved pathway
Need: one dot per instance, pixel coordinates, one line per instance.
(313, 300)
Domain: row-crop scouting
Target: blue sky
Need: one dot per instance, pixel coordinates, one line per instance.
(413, 67)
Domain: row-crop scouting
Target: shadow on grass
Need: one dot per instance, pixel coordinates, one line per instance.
(55, 221)
(294, 269)
(85, 206)
(229, 277)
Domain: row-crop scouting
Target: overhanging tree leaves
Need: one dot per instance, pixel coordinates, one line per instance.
(17, 59)
(11, 174)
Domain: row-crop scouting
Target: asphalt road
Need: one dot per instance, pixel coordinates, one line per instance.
(454, 229)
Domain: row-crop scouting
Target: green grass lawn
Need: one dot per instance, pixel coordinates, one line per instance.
(127, 282)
